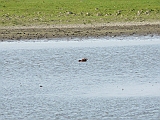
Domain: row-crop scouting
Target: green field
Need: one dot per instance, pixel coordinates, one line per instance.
(49, 12)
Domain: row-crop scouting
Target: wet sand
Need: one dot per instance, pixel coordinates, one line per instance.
(79, 30)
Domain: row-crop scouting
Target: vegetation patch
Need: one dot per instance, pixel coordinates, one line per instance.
(50, 12)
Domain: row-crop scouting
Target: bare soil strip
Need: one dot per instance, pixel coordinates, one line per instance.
(61, 31)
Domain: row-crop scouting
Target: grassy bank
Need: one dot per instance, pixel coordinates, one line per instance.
(36, 12)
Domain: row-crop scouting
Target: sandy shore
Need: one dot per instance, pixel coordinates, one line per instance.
(96, 30)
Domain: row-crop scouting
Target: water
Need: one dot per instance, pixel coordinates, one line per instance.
(44, 80)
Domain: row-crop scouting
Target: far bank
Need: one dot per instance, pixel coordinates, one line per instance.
(79, 30)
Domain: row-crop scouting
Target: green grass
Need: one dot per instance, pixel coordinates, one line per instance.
(39, 12)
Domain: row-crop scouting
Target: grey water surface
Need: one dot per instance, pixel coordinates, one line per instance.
(43, 80)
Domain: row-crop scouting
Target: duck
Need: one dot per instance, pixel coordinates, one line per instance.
(83, 60)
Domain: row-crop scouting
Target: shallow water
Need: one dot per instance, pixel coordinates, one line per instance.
(44, 80)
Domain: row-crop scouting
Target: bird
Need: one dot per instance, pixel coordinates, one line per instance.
(83, 60)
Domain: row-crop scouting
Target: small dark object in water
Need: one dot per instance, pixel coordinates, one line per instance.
(83, 60)
(40, 86)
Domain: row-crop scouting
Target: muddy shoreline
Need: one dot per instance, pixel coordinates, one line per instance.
(61, 31)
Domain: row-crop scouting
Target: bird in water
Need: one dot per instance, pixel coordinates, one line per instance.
(83, 60)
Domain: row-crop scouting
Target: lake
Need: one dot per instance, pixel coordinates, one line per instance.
(44, 80)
